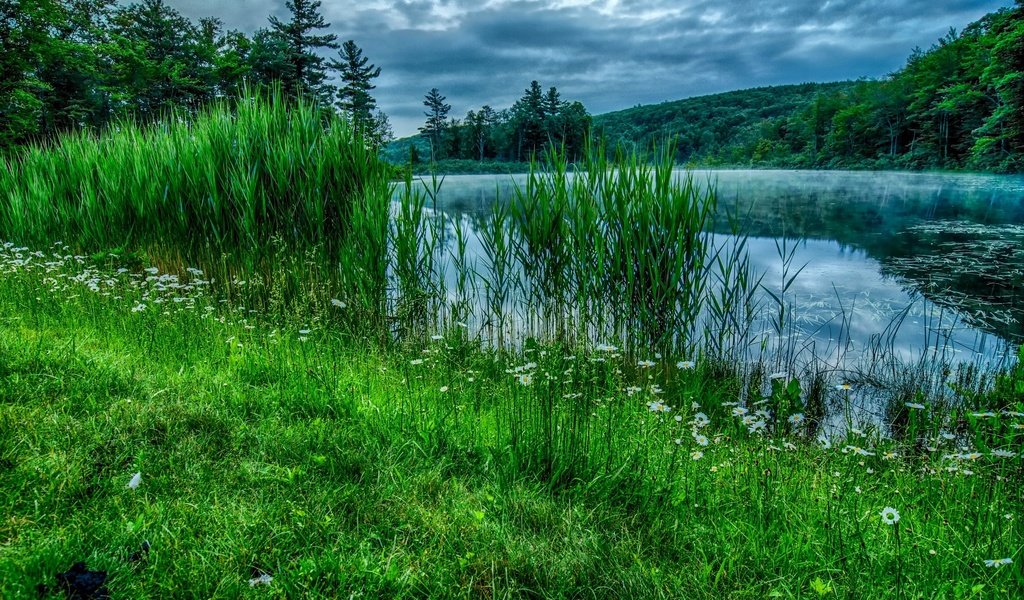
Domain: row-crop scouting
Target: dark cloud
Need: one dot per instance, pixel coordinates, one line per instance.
(613, 54)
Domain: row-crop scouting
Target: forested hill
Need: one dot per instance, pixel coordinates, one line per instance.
(702, 126)
(958, 105)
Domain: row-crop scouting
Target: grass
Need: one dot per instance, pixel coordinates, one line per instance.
(237, 174)
(353, 406)
(280, 447)
(454, 166)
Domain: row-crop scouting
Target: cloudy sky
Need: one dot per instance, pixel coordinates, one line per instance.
(612, 54)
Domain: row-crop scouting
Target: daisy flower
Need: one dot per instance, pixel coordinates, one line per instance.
(890, 516)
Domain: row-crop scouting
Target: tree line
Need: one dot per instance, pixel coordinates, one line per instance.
(83, 64)
(73, 64)
(535, 122)
(958, 105)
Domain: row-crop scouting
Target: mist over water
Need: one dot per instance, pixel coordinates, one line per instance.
(918, 261)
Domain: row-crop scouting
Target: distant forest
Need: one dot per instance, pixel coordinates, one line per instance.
(536, 121)
(958, 105)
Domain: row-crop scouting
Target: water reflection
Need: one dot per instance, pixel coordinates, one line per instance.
(944, 253)
(958, 240)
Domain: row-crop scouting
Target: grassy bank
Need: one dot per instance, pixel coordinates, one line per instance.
(469, 167)
(249, 372)
(278, 447)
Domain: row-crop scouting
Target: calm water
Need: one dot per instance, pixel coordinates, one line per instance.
(945, 250)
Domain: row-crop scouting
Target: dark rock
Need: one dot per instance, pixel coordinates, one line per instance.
(82, 584)
(141, 554)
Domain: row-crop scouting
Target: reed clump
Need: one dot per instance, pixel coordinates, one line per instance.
(232, 177)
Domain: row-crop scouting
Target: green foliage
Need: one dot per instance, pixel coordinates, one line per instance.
(305, 72)
(711, 128)
(266, 445)
(466, 166)
(956, 106)
(437, 122)
(536, 123)
(69, 65)
(233, 177)
(354, 99)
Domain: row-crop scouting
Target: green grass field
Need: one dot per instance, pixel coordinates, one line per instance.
(247, 371)
(341, 469)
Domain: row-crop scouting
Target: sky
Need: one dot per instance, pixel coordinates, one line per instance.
(611, 54)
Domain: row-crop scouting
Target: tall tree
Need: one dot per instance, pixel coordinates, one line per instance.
(1001, 137)
(154, 59)
(23, 38)
(268, 58)
(234, 63)
(71, 69)
(531, 131)
(552, 102)
(437, 121)
(479, 125)
(574, 124)
(306, 72)
(354, 99)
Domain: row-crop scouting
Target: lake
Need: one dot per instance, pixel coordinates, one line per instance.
(920, 260)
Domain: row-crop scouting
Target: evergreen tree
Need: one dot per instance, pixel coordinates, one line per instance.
(479, 125)
(208, 46)
(437, 121)
(305, 72)
(23, 39)
(71, 70)
(354, 97)
(552, 102)
(268, 58)
(234, 63)
(574, 128)
(531, 121)
(154, 59)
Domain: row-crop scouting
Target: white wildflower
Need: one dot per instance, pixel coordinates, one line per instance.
(263, 579)
(890, 516)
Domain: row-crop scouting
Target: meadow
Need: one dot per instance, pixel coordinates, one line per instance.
(244, 371)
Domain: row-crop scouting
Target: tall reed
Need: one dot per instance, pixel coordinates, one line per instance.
(232, 177)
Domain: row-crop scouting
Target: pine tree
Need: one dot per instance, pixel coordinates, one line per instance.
(552, 102)
(71, 66)
(154, 60)
(234, 64)
(23, 36)
(268, 58)
(305, 73)
(530, 120)
(354, 97)
(437, 120)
